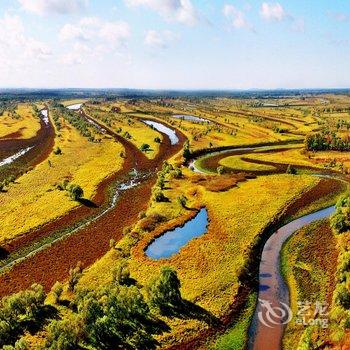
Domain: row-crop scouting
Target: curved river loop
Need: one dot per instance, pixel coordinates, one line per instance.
(272, 310)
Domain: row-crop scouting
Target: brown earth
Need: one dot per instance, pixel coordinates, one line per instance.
(42, 144)
(92, 241)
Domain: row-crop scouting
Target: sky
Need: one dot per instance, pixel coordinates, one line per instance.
(175, 44)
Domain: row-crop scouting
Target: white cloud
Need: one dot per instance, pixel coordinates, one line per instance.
(46, 7)
(339, 16)
(173, 10)
(299, 25)
(273, 12)
(159, 40)
(18, 49)
(71, 59)
(93, 28)
(115, 32)
(92, 37)
(236, 17)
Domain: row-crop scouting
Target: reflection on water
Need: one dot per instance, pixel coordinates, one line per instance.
(171, 241)
(191, 118)
(164, 129)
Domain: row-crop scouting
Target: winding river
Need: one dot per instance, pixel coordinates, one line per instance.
(273, 291)
(164, 129)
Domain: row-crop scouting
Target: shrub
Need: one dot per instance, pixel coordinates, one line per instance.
(186, 151)
(121, 273)
(150, 222)
(220, 170)
(161, 182)
(145, 147)
(20, 310)
(116, 318)
(160, 197)
(182, 200)
(57, 290)
(342, 296)
(177, 173)
(74, 276)
(57, 151)
(291, 170)
(75, 192)
(157, 139)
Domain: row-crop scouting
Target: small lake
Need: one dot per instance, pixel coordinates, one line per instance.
(191, 118)
(171, 241)
(164, 129)
(75, 107)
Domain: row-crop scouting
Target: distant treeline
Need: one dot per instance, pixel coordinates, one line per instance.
(32, 94)
(324, 141)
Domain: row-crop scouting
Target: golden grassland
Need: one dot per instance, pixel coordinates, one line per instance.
(73, 102)
(34, 199)
(139, 132)
(226, 128)
(26, 122)
(309, 260)
(235, 221)
(290, 156)
(237, 163)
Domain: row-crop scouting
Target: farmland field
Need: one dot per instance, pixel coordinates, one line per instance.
(89, 181)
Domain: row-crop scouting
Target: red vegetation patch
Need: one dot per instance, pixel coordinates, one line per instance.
(219, 183)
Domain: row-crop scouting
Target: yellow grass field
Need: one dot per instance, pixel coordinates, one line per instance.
(25, 122)
(123, 123)
(33, 200)
(235, 221)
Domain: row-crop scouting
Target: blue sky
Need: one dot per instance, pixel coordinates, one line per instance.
(175, 44)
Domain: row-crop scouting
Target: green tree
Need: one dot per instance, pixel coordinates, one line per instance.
(160, 197)
(121, 273)
(75, 192)
(116, 318)
(65, 334)
(74, 276)
(186, 150)
(145, 147)
(291, 170)
(182, 200)
(164, 292)
(340, 220)
(220, 170)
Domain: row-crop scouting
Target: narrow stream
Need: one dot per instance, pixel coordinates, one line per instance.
(164, 129)
(15, 156)
(272, 311)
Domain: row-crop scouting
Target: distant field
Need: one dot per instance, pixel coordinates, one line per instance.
(23, 123)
